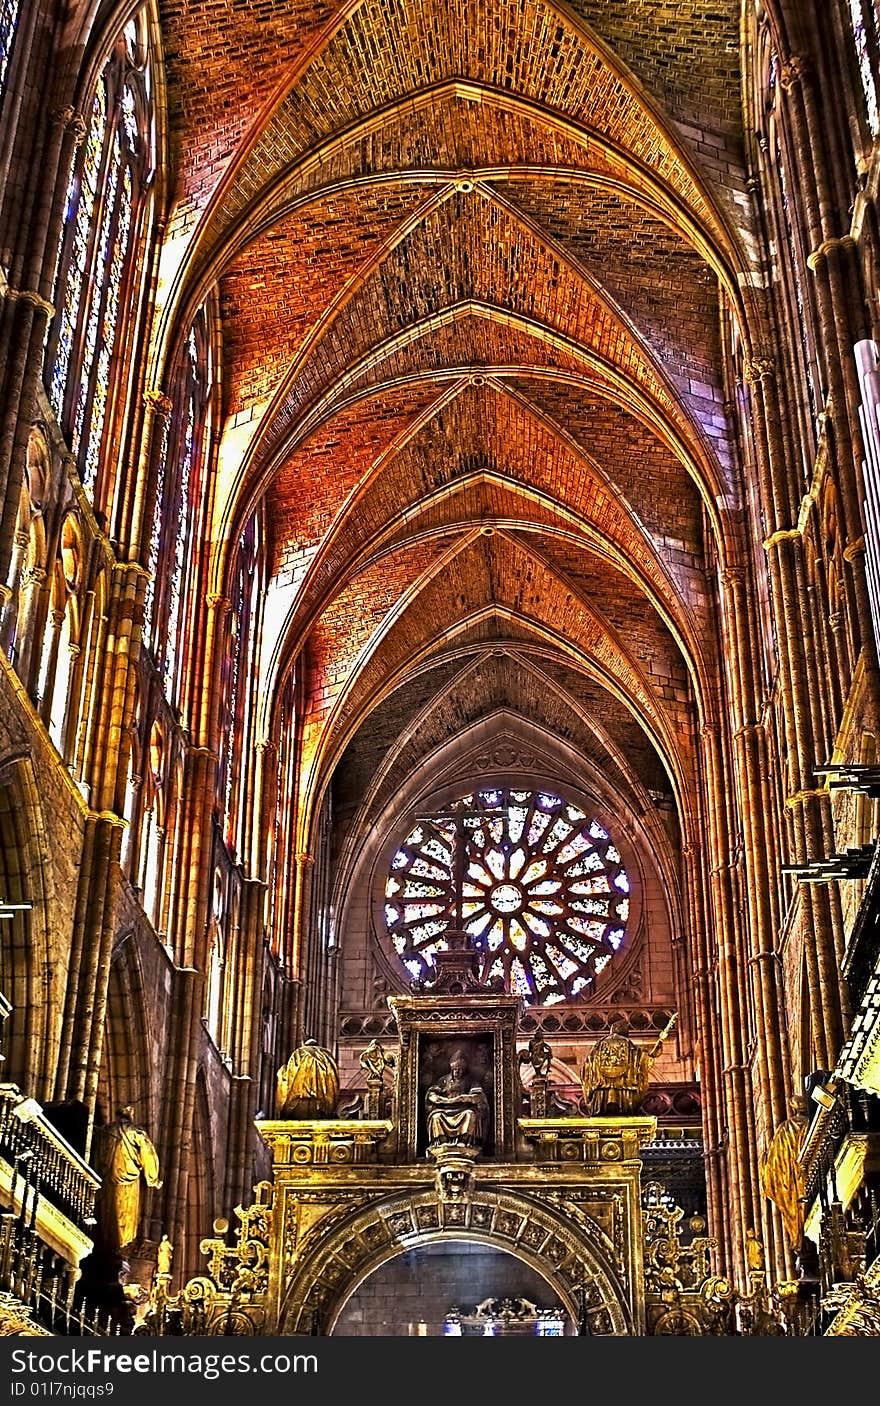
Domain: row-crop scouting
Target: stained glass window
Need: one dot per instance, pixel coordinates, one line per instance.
(790, 283)
(177, 581)
(794, 264)
(156, 533)
(862, 15)
(78, 218)
(239, 642)
(96, 264)
(538, 883)
(117, 253)
(8, 21)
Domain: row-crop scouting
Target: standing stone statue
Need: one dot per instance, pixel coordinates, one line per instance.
(126, 1156)
(308, 1084)
(780, 1172)
(164, 1257)
(374, 1061)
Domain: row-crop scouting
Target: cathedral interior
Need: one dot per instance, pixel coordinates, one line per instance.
(439, 690)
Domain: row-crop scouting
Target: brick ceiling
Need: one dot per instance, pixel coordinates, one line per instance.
(471, 261)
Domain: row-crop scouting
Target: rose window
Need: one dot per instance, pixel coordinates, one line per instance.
(538, 883)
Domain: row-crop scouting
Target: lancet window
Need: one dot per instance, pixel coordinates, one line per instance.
(238, 670)
(9, 10)
(216, 957)
(27, 568)
(282, 833)
(537, 882)
(61, 640)
(863, 21)
(179, 508)
(154, 826)
(797, 313)
(105, 218)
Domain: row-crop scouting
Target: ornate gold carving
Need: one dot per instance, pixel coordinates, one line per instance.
(229, 1299)
(306, 1142)
(16, 1321)
(856, 1306)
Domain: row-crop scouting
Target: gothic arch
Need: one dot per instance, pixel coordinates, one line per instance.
(126, 1061)
(29, 969)
(570, 1254)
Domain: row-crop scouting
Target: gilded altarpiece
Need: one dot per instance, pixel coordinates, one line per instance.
(562, 1194)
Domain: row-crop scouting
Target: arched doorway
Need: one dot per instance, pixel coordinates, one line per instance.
(453, 1287)
(557, 1238)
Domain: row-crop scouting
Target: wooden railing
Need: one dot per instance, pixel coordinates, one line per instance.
(42, 1163)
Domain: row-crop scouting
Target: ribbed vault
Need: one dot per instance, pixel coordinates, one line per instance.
(476, 269)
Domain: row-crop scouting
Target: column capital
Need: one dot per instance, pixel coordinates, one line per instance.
(27, 295)
(760, 368)
(72, 120)
(795, 68)
(132, 568)
(158, 402)
(802, 798)
(854, 549)
(784, 534)
(829, 246)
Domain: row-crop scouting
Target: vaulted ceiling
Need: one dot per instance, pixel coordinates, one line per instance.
(474, 266)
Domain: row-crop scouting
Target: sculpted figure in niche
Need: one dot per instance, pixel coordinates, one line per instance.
(125, 1157)
(308, 1084)
(456, 1106)
(616, 1074)
(781, 1174)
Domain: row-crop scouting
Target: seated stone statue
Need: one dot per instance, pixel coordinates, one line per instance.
(456, 1106)
(615, 1076)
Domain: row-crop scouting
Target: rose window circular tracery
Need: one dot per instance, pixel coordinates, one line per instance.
(538, 883)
